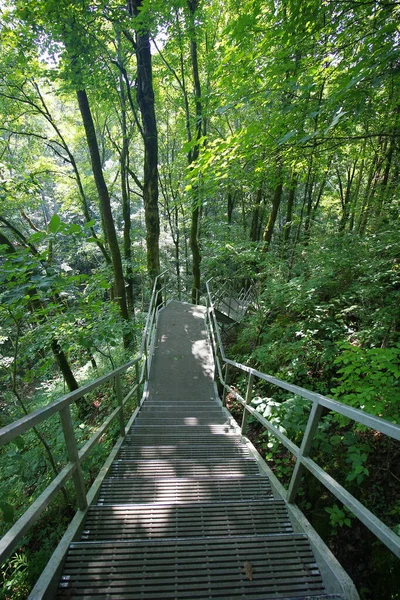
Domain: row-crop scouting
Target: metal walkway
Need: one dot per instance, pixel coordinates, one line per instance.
(185, 511)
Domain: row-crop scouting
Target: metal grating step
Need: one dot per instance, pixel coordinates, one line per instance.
(179, 430)
(119, 523)
(140, 490)
(171, 400)
(184, 451)
(172, 409)
(183, 468)
(167, 438)
(175, 420)
(256, 568)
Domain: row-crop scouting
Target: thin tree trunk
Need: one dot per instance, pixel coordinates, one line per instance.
(346, 197)
(289, 209)
(307, 220)
(145, 99)
(64, 366)
(126, 204)
(385, 178)
(194, 229)
(372, 184)
(85, 204)
(230, 207)
(269, 228)
(105, 204)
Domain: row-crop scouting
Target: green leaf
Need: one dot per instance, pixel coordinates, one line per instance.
(103, 284)
(90, 224)
(74, 228)
(55, 224)
(8, 512)
(286, 137)
(339, 114)
(19, 442)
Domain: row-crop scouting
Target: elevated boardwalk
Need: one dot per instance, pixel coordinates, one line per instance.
(185, 511)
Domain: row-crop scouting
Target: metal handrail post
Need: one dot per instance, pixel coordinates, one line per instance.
(120, 398)
(73, 456)
(137, 375)
(226, 382)
(179, 284)
(306, 445)
(248, 400)
(147, 364)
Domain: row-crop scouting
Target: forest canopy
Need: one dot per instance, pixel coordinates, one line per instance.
(255, 140)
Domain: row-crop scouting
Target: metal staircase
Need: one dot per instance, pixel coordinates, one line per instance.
(184, 511)
(231, 300)
(184, 506)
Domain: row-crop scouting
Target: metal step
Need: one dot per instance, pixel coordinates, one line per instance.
(168, 420)
(184, 451)
(256, 568)
(163, 437)
(109, 523)
(183, 430)
(139, 490)
(181, 409)
(183, 468)
(171, 400)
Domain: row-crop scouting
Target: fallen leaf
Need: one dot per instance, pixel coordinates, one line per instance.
(248, 569)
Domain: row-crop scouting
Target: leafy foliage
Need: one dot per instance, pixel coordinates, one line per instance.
(297, 188)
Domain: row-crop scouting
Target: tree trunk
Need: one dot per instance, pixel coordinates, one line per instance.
(346, 197)
(255, 219)
(373, 178)
(289, 209)
(385, 178)
(126, 204)
(145, 99)
(126, 214)
(230, 207)
(105, 204)
(63, 365)
(307, 220)
(194, 230)
(269, 228)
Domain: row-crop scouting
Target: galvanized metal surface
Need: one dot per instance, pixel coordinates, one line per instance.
(140, 521)
(183, 451)
(185, 512)
(257, 568)
(172, 491)
(184, 468)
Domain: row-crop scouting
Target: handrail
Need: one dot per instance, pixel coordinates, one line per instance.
(226, 293)
(380, 530)
(62, 406)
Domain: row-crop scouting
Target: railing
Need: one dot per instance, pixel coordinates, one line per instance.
(62, 406)
(303, 460)
(232, 300)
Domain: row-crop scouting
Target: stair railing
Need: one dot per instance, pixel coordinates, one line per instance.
(225, 292)
(62, 407)
(302, 453)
